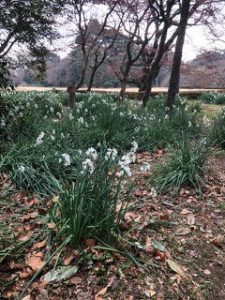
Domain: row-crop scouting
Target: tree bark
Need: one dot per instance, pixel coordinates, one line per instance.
(122, 91)
(91, 79)
(147, 92)
(155, 66)
(175, 73)
(72, 95)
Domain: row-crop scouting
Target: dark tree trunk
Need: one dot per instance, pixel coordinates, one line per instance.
(154, 67)
(143, 80)
(148, 83)
(147, 94)
(72, 90)
(72, 95)
(122, 91)
(91, 79)
(175, 73)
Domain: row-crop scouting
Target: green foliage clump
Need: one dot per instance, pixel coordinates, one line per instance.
(89, 208)
(24, 114)
(184, 167)
(213, 98)
(217, 133)
(160, 130)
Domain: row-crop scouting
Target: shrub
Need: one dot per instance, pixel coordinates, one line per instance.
(184, 167)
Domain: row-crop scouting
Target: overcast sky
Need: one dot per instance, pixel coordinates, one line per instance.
(196, 40)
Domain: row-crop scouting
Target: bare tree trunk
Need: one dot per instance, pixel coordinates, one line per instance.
(72, 95)
(143, 80)
(147, 93)
(148, 83)
(175, 73)
(72, 90)
(154, 68)
(122, 90)
(91, 79)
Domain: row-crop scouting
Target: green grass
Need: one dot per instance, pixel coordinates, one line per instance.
(185, 167)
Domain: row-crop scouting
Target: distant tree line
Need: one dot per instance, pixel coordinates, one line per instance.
(127, 43)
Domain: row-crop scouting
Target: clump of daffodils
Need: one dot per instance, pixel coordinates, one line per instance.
(87, 165)
(127, 159)
(3, 123)
(22, 168)
(206, 121)
(40, 138)
(111, 154)
(145, 167)
(81, 120)
(66, 159)
(92, 153)
(153, 193)
(71, 117)
(134, 147)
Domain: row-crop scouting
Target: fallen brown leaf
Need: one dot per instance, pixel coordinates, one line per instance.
(69, 259)
(190, 219)
(76, 280)
(90, 243)
(101, 294)
(28, 297)
(51, 225)
(206, 272)
(25, 236)
(32, 202)
(40, 245)
(148, 245)
(176, 268)
(183, 231)
(35, 262)
(27, 217)
(185, 211)
(15, 266)
(218, 241)
(25, 274)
